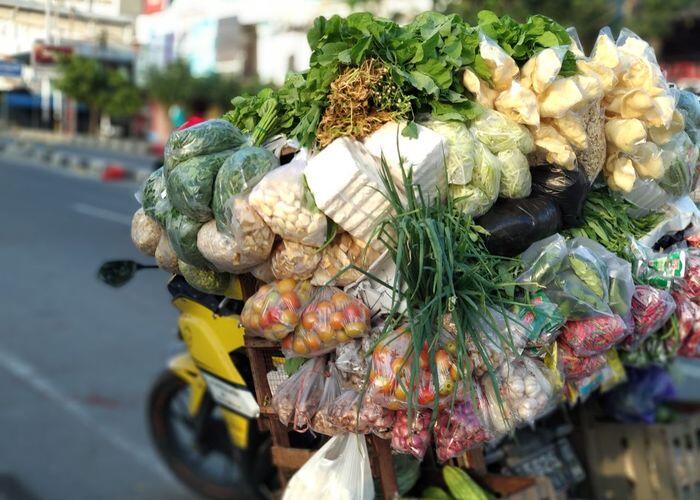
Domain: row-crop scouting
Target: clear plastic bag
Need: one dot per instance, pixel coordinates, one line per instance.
(457, 430)
(191, 185)
(688, 316)
(542, 320)
(294, 260)
(605, 50)
(145, 233)
(690, 284)
(519, 104)
(541, 70)
(204, 279)
(287, 207)
(344, 251)
(679, 156)
(340, 469)
(357, 412)
(297, 399)
(331, 318)
(481, 193)
(576, 367)
(263, 272)
(204, 138)
(503, 67)
(152, 191)
(236, 177)
(591, 336)
(499, 133)
(182, 233)
(460, 150)
(516, 181)
(226, 253)
(275, 309)
(412, 436)
(166, 258)
(322, 421)
(651, 308)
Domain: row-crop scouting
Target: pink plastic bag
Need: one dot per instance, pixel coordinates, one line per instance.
(412, 437)
(457, 430)
(595, 335)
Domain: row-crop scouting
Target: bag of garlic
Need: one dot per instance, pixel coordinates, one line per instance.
(343, 252)
(234, 255)
(294, 260)
(286, 205)
(145, 232)
(527, 392)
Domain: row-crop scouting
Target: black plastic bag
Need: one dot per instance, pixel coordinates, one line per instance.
(515, 224)
(568, 188)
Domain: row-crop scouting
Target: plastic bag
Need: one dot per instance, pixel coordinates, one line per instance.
(690, 284)
(294, 260)
(542, 319)
(354, 411)
(340, 469)
(285, 204)
(145, 232)
(331, 318)
(166, 258)
(204, 138)
(527, 392)
(263, 272)
(591, 336)
(274, 310)
(499, 133)
(542, 69)
(503, 67)
(226, 253)
(182, 233)
(152, 192)
(688, 316)
(204, 279)
(236, 177)
(412, 437)
(321, 421)
(519, 104)
(297, 399)
(552, 147)
(680, 156)
(513, 225)
(457, 430)
(341, 253)
(651, 308)
(568, 188)
(516, 181)
(479, 195)
(460, 150)
(592, 158)
(191, 185)
(637, 399)
(576, 367)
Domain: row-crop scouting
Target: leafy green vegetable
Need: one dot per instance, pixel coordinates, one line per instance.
(205, 279)
(182, 233)
(590, 270)
(207, 137)
(191, 184)
(153, 190)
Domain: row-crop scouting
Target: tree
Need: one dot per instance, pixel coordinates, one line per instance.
(100, 88)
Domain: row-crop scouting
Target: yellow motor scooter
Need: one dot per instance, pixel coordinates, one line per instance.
(201, 411)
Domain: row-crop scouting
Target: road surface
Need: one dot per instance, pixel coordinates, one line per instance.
(76, 357)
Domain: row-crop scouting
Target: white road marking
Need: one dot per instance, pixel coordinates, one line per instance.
(27, 374)
(101, 213)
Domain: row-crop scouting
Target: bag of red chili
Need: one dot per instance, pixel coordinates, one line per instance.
(688, 315)
(690, 284)
(591, 336)
(651, 308)
(577, 367)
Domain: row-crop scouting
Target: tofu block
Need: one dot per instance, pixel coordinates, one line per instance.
(426, 155)
(344, 180)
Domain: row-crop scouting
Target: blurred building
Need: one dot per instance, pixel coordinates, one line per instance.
(33, 33)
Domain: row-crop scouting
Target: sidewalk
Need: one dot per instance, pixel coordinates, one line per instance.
(107, 159)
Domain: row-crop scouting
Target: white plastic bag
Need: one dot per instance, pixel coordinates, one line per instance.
(340, 470)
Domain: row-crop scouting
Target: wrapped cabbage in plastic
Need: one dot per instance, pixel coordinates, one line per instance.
(145, 232)
(499, 133)
(480, 194)
(166, 258)
(204, 138)
(460, 150)
(229, 254)
(239, 173)
(182, 233)
(191, 184)
(516, 180)
(204, 279)
(152, 192)
(679, 156)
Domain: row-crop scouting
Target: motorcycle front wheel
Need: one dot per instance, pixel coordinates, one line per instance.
(198, 449)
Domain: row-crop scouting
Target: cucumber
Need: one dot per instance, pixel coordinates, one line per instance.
(461, 486)
(436, 493)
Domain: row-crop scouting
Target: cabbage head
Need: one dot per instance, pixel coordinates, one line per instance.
(460, 152)
(477, 197)
(516, 180)
(500, 133)
(204, 138)
(153, 189)
(182, 233)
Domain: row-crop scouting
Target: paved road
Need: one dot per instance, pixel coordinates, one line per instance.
(76, 358)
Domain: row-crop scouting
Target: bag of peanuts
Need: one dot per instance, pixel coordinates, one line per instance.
(332, 317)
(341, 253)
(274, 310)
(294, 260)
(287, 206)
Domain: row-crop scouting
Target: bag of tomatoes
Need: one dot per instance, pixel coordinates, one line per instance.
(275, 308)
(390, 375)
(331, 318)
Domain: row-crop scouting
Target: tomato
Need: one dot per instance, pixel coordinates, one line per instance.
(355, 329)
(337, 320)
(424, 359)
(353, 312)
(291, 300)
(324, 309)
(446, 388)
(289, 318)
(312, 340)
(400, 393)
(308, 320)
(341, 336)
(326, 335)
(396, 365)
(271, 316)
(287, 342)
(286, 285)
(298, 345)
(340, 300)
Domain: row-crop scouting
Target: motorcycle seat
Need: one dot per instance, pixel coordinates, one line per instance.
(178, 287)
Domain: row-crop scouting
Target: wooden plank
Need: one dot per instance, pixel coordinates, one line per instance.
(260, 343)
(507, 485)
(385, 464)
(290, 458)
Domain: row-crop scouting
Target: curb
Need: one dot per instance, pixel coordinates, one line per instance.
(77, 164)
